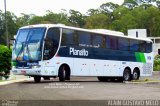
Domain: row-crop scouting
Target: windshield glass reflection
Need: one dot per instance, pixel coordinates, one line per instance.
(28, 44)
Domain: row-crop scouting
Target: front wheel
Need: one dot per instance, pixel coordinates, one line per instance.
(37, 79)
(62, 74)
(126, 75)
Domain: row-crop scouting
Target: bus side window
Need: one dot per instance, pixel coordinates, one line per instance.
(69, 37)
(51, 43)
(114, 43)
(134, 46)
(84, 39)
(148, 47)
(142, 46)
(123, 44)
(97, 41)
(108, 44)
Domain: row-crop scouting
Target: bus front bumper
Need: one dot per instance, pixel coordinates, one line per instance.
(27, 72)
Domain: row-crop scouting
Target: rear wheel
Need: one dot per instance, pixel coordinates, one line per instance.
(37, 79)
(135, 75)
(126, 75)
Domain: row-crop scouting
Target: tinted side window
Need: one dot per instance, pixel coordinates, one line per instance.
(148, 47)
(51, 43)
(145, 47)
(123, 44)
(108, 42)
(84, 39)
(97, 41)
(69, 37)
(142, 46)
(113, 43)
(134, 45)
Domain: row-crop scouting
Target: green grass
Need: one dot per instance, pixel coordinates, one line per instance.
(1, 80)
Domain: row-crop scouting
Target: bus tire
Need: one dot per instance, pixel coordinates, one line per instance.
(37, 79)
(136, 74)
(62, 73)
(126, 75)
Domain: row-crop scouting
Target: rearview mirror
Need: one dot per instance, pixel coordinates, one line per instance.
(11, 41)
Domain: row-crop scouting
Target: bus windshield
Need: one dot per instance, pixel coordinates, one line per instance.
(28, 44)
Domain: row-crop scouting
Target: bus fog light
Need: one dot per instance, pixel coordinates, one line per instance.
(36, 66)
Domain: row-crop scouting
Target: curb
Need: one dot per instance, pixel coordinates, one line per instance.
(142, 82)
(14, 81)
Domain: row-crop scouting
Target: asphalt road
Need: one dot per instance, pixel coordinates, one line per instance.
(79, 88)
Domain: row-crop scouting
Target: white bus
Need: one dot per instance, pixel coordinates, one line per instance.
(55, 50)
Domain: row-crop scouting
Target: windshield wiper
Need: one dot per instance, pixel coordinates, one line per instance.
(29, 54)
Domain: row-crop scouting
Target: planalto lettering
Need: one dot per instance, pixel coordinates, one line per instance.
(76, 52)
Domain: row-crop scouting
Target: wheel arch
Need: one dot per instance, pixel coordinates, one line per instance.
(128, 69)
(67, 67)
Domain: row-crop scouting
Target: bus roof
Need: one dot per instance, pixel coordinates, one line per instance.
(98, 31)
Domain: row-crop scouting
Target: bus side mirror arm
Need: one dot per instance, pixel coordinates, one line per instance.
(11, 41)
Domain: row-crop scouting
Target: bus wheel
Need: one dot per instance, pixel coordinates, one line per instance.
(135, 75)
(62, 73)
(37, 79)
(126, 75)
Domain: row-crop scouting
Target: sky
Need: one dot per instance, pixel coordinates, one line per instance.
(39, 7)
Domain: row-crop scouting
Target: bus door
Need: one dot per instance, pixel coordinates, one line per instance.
(50, 49)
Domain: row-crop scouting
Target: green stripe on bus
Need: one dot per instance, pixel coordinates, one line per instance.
(143, 57)
(140, 57)
(137, 57)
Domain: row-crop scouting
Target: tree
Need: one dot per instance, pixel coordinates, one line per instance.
(157, 3)
(93, 12)
(2, 28)
(141, 17)
(55, 18)
(126, 22)
(119, 12)
(36, 20)
(12, 26)
(130, 3)
(144, 1)
(97, 21)
(153, 21)
(76, 18)
(108, 7)
(24, 19)
(5, 57)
